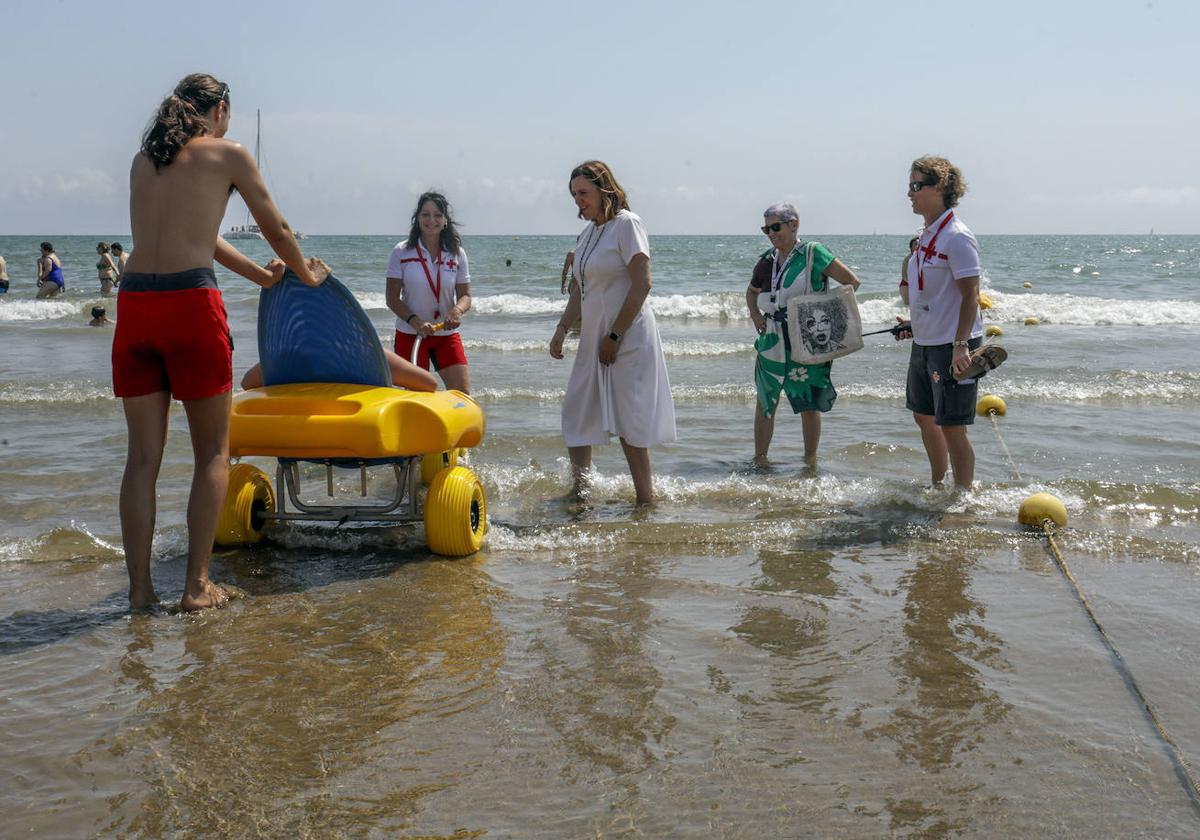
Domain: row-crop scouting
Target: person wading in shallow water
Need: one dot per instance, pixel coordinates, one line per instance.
(943, 291)
(171, 336)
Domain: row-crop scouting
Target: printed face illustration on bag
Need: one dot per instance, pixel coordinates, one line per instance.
(822, 326)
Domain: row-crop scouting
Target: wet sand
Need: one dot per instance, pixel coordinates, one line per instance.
(902, 688)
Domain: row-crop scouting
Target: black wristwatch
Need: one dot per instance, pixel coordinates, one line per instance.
(614, 336)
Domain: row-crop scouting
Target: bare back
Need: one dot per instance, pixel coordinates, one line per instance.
(176, 211)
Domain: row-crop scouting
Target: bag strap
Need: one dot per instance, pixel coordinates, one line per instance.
(818, 279)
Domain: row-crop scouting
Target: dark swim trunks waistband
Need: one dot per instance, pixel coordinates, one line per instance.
(193, 278)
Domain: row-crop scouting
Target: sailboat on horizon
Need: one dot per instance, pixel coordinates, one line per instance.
(248, 230)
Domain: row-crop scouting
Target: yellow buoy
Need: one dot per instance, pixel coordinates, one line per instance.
(991, 404)
(1042, 506)
(985, 302)
(1032, 321)
(992, 330)
(1027, 285)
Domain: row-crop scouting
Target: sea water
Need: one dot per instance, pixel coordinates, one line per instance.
(789, 651)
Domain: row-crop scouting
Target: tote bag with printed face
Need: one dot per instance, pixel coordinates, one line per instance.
(824, 325)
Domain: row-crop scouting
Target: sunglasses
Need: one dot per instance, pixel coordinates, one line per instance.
(917, 186)
(774, 227)
(225, 94)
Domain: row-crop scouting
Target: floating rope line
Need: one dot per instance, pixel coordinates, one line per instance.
(1011, 463)
(1182, 770)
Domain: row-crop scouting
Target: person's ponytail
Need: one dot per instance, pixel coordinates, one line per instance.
(180, 117)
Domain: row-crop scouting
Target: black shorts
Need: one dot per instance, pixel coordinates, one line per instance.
(933, 390)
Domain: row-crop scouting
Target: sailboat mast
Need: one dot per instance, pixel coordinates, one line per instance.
(257, 135)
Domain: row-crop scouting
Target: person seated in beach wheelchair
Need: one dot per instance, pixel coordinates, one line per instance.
(323, 393)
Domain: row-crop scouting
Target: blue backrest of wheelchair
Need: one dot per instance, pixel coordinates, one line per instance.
(317, 334)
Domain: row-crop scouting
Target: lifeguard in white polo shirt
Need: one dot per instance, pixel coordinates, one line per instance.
(429, 284)
(943, 301)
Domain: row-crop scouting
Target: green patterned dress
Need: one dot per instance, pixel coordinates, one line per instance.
(808, 387)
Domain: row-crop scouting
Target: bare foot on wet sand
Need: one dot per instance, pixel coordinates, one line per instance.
(213, 595)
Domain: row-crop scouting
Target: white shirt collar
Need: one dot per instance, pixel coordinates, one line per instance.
(936, 223)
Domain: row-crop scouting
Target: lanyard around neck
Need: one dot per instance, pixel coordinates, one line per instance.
(437, 290)
(779, 271)
(930, 251)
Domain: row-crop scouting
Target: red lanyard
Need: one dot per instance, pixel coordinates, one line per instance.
(930, 252)
(437, 290)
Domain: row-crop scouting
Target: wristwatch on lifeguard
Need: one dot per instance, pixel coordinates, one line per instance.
(615, 336)
(962, 344)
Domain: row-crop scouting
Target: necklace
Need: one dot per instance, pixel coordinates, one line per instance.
(587, 250)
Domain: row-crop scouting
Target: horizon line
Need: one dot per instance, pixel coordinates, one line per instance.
(129, 236)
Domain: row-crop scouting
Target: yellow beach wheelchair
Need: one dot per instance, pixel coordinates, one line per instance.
(329, 401)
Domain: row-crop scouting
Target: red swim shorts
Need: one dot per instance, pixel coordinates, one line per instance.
(444, 350)
(175, 341)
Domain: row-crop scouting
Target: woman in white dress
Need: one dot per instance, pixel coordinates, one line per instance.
(619, 384)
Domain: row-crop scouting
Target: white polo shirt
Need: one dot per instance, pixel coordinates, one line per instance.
(948, 252)
(419, 282)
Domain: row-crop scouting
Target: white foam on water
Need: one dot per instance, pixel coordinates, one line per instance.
(736, 510)
(1126, 387)
(502, 538)
(719, 306)
(881, 312)
(708, 348)
(371, 300)
(1131, 387)
(38, 310)
(1007, 307)
(670, 348)
(24, 393)
(74, 541)
(544, 395)
(1080, 310)
(21, 548)
(514, 304)
(1121, 386)
(506, 345)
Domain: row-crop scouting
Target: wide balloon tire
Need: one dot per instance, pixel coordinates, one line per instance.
(248, 496)
(455, 513)
(435, 462)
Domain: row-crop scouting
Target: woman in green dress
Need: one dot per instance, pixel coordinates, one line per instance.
(788, 269)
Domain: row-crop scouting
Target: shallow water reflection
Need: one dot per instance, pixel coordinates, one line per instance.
(304, 712)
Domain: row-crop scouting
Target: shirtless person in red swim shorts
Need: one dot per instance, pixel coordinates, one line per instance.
(172, 337)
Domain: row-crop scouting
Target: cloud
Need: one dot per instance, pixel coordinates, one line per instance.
(1161, 196)
(85, 184)
(1136, 196)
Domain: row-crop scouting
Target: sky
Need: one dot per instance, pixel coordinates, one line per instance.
(1065, 117)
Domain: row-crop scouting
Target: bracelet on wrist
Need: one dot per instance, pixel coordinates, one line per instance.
(411, 315)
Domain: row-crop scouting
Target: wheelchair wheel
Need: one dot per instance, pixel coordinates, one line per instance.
(248, 496)
(455, 513)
